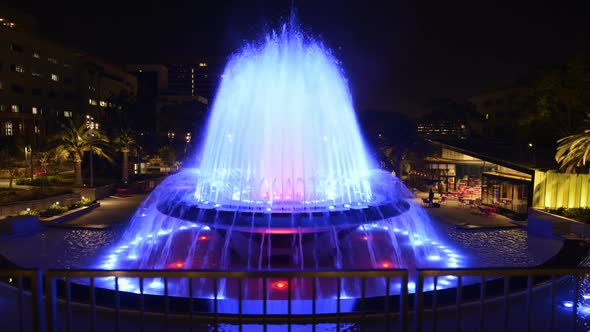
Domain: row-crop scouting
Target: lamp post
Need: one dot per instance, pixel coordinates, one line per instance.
(91, 126)
(170, 137)
(29, 158)
(188, 139)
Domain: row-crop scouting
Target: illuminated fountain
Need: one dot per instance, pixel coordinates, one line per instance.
(284, 182)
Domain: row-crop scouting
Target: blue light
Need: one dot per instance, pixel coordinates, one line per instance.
(434, 257)
(568, 304)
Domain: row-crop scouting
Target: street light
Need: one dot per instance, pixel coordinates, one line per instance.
(171, 136)
(91, 126)
(29, 157)
(188, 138)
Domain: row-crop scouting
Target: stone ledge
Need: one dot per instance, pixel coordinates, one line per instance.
(547, 224)
(70, 214)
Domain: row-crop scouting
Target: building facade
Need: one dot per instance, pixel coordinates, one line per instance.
(42, 84)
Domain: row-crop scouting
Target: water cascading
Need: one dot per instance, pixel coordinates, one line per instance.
(284, 181)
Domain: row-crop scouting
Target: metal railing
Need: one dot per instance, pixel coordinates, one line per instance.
(486, 295)
(546, 277)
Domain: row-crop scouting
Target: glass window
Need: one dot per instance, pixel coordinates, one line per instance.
(18, 68)
(103, 103)
(34, 110)
(54, 77)
(52, 60)
(92, 102)
(68, 114)
(15, 108)
(8, 128)
(36, 55)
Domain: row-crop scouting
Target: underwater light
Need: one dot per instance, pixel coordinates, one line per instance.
(280, 285)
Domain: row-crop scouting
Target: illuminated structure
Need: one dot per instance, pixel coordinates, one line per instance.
(284, 181)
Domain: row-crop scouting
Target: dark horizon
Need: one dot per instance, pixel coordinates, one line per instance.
(396, 56)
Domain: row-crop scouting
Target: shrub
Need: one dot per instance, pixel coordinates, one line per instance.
(38, 181)
(28, 212)
(83, 202)
(580, 214)
(54, 210)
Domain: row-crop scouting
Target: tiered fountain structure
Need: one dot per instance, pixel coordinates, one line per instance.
(284, 182)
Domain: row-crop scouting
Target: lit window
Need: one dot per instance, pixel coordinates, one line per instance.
(34, 110)
(67, 65)
(92, 101)
(35, 73)
(91, 88)
(192, 70)
(18, 68)
(202, 64)
(52, 60)
(103, 103)
(1, 85)
(68, 114)
(54, 77)
(2, 108)
(14, 108)
(20, 127)
(36, 55)
(205, 76)
(8, 128)
(487, 116)
(37, 129)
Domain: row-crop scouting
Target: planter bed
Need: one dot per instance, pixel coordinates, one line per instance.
(69, 215)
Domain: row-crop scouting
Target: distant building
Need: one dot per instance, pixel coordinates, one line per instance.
(43, 83)
(198, 77)
(449, 120)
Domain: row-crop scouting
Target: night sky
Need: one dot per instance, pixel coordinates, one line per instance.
(396, 55)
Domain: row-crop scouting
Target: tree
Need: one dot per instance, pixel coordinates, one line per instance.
(9, 162)
(76, 139)
(124, 143)
(573, 151)
(168, 156)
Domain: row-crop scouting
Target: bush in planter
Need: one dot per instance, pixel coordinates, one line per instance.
(83, 202)
(54, 210)
(38, 181)
(28, 212)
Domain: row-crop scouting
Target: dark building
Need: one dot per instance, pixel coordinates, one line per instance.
(42, 83)
(195, 78)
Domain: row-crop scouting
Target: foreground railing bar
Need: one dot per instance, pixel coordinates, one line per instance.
(314, 292)
(482, 297)
(141, 306)
(215, 304)
(264, 295)
(191, 303)
(512, 272)
(418, 303)
(50, 303)
(21, 305)
(529, 303)
(117, 306)
(37, 304)
(240, 313)
(166, 306)
(227, 274)
(289, 290)
(575, 307)
(363, 301)
(506, 302)
(404, 303)
(386, 309)
(338, 295)
(552, 320)
(458, 302)
(92, 306)
(434, 304)
(68, 305)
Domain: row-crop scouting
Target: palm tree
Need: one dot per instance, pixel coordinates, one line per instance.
(124, 143)
(573, 151)
(74, 141)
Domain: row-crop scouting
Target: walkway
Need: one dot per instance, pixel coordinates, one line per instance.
(113, 211)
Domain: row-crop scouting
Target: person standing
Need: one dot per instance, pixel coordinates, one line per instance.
(430, 197)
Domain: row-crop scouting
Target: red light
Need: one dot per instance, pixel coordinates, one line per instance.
(386, 265)
(176, 265)
(365, 237)
(280, 285)
(203, 237)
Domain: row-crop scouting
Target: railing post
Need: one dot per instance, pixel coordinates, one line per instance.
(50, 304)
(418, 302)
(37, 304)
